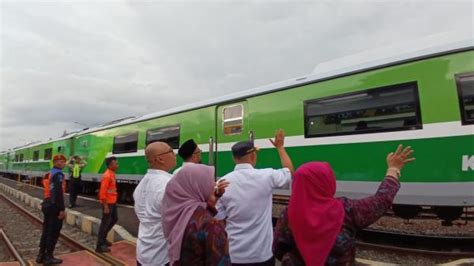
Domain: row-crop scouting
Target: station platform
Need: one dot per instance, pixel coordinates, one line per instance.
(79, 258)
(122, 251)
(127, 218)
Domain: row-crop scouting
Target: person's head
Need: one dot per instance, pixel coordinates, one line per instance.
(190, 152)
(197, 182)
(77, 159)
(317, 178)
(111, 163)
(245, 152)
(59, 161)
(160, 156)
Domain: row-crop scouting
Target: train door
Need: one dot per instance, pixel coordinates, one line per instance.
(232, 126)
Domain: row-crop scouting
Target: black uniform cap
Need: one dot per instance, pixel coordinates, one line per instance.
(243, 148)
(187, 149)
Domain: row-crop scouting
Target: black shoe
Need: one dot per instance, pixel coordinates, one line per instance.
(108, 243)
(102, 249)
(40, 258)
(52, 261)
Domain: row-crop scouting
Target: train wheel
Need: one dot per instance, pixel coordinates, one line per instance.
(406, 211)
(448, 214)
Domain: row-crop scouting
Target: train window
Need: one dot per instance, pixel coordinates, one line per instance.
(36, 155)
(16, 158)
(48, 154)
(169, 135)
(21, 157)
(465, 84)
(233, 117)
(383, 109)
(125, 143)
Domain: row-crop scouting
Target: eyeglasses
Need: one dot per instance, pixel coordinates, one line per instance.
(171, 150)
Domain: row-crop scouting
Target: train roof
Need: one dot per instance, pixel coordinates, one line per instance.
(431, 46)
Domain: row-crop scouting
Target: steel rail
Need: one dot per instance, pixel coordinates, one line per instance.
(11, 248)
(452, 246)
(75, 245)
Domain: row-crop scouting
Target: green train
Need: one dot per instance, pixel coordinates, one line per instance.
(351, 117)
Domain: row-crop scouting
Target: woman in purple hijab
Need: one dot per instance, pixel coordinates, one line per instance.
(194, 237)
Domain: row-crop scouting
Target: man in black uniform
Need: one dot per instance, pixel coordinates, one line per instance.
(53, 211)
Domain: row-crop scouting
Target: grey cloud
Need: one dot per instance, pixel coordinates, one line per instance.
(93, 62)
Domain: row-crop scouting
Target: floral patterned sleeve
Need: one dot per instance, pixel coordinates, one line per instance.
(282, 240)
(217, 246)
(284, 246)
(368, 210)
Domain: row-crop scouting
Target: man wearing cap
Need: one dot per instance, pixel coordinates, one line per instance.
(190, 153)
(53, 211)
(247, 204)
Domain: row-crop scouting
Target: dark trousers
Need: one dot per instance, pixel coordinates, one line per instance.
(108, 221)
(74, 188)
(51, 228)
(270, 262)
(139, 264)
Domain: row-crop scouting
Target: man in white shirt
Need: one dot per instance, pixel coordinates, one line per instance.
(151, 245)
(247, 203)
(190, 153)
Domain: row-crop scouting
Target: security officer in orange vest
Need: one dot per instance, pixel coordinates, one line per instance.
(108, 199)
(53, 211)
(46, 192)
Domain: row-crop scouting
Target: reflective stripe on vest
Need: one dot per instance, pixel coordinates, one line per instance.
(76, 171)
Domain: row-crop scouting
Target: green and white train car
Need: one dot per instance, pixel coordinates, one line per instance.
(351, 117)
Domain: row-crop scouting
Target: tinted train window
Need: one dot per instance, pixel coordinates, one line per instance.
(375, 110)
(465, 84)
(48, 154)
(233, 117)
(125, 143)
(36, 155)
(169, 135)
(17, 158)
(21, 157)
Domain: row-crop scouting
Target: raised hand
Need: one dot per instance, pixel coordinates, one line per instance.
(279, 139)
(400, 157)
(221, 185)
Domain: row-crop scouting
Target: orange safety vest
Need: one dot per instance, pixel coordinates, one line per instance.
(46, 191)
(108, 188)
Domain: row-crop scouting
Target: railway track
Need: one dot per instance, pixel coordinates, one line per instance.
(440, 246)
(426, 213)
(10, 253)
(27, 249)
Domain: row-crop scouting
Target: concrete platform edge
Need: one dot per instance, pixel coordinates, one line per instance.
(86, 223)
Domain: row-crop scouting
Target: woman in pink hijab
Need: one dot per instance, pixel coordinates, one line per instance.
(318, 229)
(194, 237)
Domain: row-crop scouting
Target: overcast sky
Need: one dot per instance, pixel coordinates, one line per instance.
(95, 61)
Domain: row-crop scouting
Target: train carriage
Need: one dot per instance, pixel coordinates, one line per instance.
(350, 117)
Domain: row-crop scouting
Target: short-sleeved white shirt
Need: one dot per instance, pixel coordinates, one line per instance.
(151, 244)
(247, 206)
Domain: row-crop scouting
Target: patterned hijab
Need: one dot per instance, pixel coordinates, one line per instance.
(188, 190)
(314, 215)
